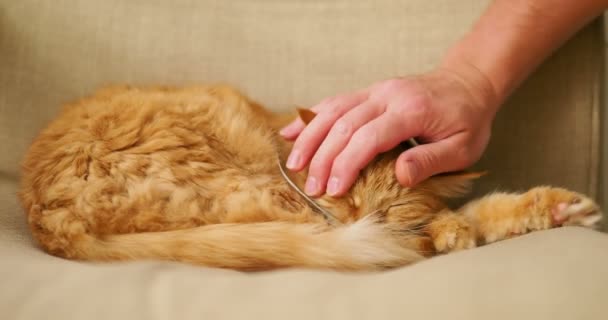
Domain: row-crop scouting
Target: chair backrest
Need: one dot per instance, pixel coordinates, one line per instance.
(290, 52)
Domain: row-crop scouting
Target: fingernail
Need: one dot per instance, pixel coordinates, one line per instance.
(311, 187)
(332, 186)
(412, 171)
(294, 159)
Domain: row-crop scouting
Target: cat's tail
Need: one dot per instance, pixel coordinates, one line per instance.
(363, 245)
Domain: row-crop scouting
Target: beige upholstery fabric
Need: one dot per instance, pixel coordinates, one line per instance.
(284, 53)
(290, 52)
(560, 274)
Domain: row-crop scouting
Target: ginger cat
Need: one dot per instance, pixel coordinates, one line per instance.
(191, 175)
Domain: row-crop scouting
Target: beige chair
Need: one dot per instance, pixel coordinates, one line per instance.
(284, 53)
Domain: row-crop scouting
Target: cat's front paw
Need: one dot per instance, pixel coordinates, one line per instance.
(578, 212)
(566, 208)
(452, 232)
(540, 208)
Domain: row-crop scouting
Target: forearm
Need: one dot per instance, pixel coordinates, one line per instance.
(512, 38)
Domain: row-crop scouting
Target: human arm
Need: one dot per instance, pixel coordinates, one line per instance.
(450, 109)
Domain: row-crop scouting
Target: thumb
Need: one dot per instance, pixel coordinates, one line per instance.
(423, 161)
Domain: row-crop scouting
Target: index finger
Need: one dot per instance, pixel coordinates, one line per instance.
(379, 135)
(310, 138)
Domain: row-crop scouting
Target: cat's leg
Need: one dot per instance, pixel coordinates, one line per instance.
(501, 215)
(451, 232)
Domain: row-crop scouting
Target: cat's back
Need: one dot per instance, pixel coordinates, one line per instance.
(124, 143)
(141, 121)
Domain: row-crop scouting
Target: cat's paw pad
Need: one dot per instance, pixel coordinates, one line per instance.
(576, 212)
(453, 233)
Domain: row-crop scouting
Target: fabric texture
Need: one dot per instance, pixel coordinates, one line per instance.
(287, 53)
(561, 274)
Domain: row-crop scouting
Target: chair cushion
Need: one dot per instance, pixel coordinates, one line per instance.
(556, 274)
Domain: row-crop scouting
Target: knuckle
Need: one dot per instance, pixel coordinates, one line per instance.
(465, 156)
(337, 107)
(318, 165)
(341, 165)
(427, 160)
(418, 105)
(343, 127)
(366, 138)
(306, 141)
(381, 91)
(342, 97)
(323, 122)
(393, 84)
(327, 101)
(333, 112)
(324, 105)
(333, 102)
(301, 144)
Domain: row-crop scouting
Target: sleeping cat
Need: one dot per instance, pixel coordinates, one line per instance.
(191, 175)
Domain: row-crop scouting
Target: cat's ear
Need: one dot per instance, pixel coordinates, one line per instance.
(306, 115)
(452, 184)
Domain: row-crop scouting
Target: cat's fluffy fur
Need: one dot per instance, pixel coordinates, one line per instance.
(191, 175)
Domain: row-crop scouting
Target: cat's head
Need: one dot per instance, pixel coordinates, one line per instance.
(377, 188)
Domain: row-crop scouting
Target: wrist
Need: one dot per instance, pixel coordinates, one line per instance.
(512, 38)
(477, 83)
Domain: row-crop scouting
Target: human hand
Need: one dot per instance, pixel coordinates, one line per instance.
(449, 112)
